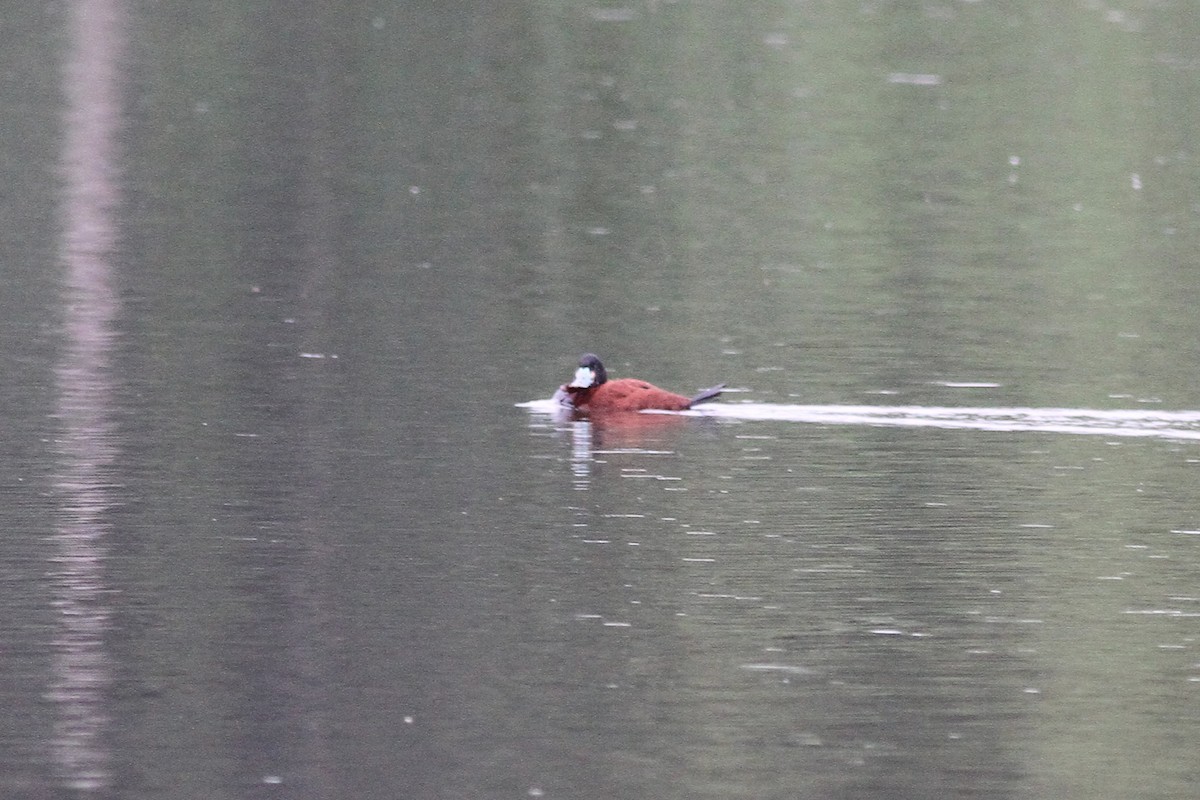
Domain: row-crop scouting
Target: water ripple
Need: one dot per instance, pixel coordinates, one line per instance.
(1100, 422)
(1179, 425)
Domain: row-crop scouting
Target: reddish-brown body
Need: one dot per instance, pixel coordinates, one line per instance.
(592, 392)
(627, 394)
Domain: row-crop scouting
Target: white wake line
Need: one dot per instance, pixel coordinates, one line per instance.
(1098, 422)
(1085, 421)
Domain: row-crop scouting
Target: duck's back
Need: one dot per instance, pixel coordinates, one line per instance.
(631, 394)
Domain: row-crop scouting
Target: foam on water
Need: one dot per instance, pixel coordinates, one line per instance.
(1183, 425)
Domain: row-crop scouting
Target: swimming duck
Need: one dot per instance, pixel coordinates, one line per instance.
(592, 391)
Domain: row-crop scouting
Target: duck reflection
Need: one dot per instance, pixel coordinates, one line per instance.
(598, 439)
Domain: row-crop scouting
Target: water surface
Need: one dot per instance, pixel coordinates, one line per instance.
(274, 284)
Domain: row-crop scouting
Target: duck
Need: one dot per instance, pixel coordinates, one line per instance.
(591, 391)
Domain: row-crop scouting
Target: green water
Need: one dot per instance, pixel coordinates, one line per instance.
(276, 280)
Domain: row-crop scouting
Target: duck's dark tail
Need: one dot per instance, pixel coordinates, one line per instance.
(706, 394)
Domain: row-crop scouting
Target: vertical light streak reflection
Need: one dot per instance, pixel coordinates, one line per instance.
(86, 448)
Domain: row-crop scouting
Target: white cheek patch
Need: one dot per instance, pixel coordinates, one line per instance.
(583, 378)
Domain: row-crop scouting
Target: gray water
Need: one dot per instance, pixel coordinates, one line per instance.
(286, 513)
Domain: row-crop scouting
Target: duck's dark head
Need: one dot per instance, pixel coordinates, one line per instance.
(590, 373)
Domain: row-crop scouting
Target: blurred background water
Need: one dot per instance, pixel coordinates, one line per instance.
(277, 276)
